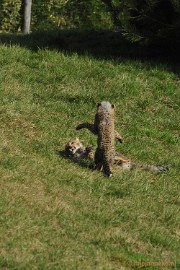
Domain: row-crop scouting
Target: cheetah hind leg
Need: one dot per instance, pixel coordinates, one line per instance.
(119, 159)
(101, 162)
(98, 158)
(106, 167)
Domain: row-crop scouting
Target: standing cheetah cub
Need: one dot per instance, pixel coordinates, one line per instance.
(104, 127)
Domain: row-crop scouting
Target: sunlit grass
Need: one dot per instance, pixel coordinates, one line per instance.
(56, 214)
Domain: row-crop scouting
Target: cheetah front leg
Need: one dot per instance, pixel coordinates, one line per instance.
(90, 127)
(118, 136)
(93, 129)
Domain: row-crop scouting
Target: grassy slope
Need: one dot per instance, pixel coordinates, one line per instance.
(56, 214)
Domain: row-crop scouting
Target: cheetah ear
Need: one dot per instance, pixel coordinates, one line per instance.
(98, 104)
(77, 139)
(112, 106)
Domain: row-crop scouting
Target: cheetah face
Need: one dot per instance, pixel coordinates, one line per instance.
(73, 146)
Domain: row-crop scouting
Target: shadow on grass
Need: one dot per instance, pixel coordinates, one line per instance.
(65, 97)
(101, 44)
(82, 162)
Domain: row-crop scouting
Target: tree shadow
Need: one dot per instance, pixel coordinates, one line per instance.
(101, 44)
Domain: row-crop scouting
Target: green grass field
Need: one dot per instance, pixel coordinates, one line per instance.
(56, 214)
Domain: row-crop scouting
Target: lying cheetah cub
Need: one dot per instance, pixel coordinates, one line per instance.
(75, 149)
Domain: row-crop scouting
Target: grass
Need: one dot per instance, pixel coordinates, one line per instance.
(56, 214)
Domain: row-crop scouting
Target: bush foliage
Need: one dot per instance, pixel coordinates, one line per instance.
(140, 20)
(10, 19)
(146, 20)
(50, 14)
